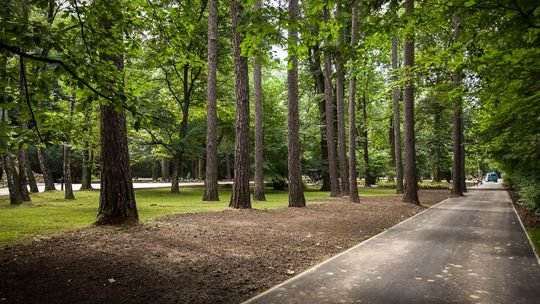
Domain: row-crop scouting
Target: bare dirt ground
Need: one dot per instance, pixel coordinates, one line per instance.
(216, 257)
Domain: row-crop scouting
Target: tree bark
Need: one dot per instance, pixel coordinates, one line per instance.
(68, 193)
(211, 179)
(176, 162)
(117, 198)
(228, 170)
(437, 151)
(391, 178)
(365, 147)
(29, 173)
(340, 86)
(411, 182)
(165, 168)
(457, 167)
(318, 77)
(45, 169)
(397, 118)
(296, 191)
(353, 184)
(154, 170)
(86, 170)
(330, 133)
(240, 195)
(258, 190)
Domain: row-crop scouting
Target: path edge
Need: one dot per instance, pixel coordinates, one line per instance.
(313, 268)
(523, 227)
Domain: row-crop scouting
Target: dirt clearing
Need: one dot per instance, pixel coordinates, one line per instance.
(214, 257)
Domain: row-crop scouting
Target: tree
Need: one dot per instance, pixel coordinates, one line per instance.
(329, 104)
(258, 190)
(240, 195)
(296, 192)
(117, 199)
(353, 184)
(68, 194)
(411, 184)
(458, 167)
(340, 86)
(210, 182)
(397, 118)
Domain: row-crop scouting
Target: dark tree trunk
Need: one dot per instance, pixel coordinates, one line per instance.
(340, 87)
(15, 196)
(176, 162)
(240, 195)
(391, 177)
(457, 167)
(45, 169)
(397, 118)
(68, 194)
(365, 147)
(211, 179)
(25, 172)
(228, 169)
(117, 198)
(29, 173)
(258, 190)
(86, 170)
(437, 151)
(353, 184)
(318, 77)
(411, 182)
(154, 170)
(463, 172)
(296, 191)
(330, 133)
(165, 169)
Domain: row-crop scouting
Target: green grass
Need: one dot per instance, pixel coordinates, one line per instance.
(49, 213)
(534, 234)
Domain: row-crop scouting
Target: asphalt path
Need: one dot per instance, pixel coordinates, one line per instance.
(469, 249)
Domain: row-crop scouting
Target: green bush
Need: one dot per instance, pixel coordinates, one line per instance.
(386, 184)
(432, 185)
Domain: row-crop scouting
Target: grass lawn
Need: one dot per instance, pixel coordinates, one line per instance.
(534, 234)
(49, 213)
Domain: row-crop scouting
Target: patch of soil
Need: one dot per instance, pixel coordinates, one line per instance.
(529, 219)
(214, 257)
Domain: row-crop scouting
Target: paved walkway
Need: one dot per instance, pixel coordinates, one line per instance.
(464, 250)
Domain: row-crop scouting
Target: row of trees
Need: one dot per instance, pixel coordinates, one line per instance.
(169, 80)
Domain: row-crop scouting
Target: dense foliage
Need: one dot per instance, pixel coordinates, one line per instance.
(52, 51)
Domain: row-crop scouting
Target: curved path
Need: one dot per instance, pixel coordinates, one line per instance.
(464, 250)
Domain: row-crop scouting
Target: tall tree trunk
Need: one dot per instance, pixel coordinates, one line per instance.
(211, 179)
(12, 177)
(25, 172)
(463, 173)
(411, 182)
(117, 198)
(240, 195)
(258, 190)
(353, 184)
(437, 151)
(165, 168)
(86, 170)
(457, 167)
(296, 191)
(340, 86)
(228, 166)
(318, 77)
(176, 162)
(68, 194)
(397, 118)
(154, 170)
(367, 177)
(391, 177)
(29, 173)
(45, 169)
(330, 134)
